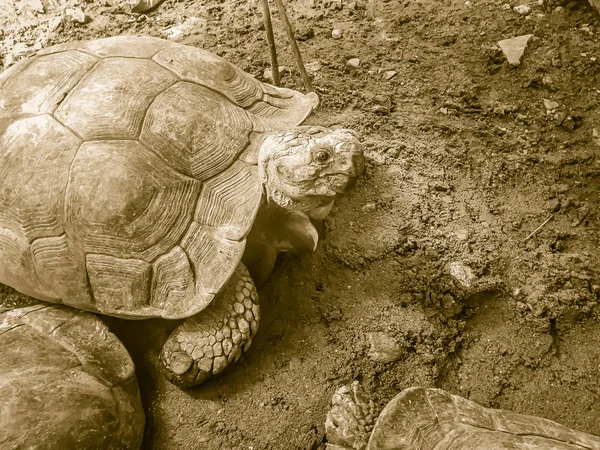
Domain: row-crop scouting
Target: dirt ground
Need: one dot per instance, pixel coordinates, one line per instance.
(426, 273)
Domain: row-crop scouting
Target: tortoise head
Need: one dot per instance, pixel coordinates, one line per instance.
(306, 168)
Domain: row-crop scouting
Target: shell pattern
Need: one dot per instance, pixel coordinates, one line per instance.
(427, 418)
(128, 178)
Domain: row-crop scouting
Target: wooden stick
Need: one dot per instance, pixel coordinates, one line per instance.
(290, 32)
(271, 41)
(539, 228)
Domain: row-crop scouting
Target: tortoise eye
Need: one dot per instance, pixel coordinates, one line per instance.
(322, 156)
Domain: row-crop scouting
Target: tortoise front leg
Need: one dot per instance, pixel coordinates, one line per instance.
(205, 344)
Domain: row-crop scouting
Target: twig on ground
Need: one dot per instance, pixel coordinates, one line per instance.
(538, 228)
(271, 41)
(290, 32)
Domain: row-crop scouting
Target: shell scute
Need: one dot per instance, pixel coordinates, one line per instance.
(112, 100)
(123, 201)
(173, 284)
(59, 266)
(119, 285)
(228, 201)
(41, 85)
(195, 130)
(126, 46)
(32, 190)
(269, 107)
(214, 257)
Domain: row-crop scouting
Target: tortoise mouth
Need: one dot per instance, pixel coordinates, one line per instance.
(341, 182)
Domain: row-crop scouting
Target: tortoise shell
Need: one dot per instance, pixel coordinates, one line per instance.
(128, 177)
(428, 418)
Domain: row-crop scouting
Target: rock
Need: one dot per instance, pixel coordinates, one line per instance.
(596, 136)
(450, 307)
(77, 15)
(595, 4)
(9, 60)
(31, 5)
(571, 123)
(553, 205)
(514, 48)
(441, 187)
(383, 348)
(462, 273)
(550, 104)
(178, 32)
(267, 74)
(389, 74)
(562, 188)
(370, 206)
(336, 33)
(549, 83)
(462, 235)
(353, 62)
(139, 6)
(313, 67)
(524, 10)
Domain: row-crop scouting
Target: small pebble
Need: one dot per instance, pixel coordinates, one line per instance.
(336, 33)
(389, 74)
(514, 48)
(354, 62)
(553, 205)
(367, 207)
(383, 348)
(77, 15)
(523, 10)
(550, 104)
(462, 273)
(267, 74)
(313, 67)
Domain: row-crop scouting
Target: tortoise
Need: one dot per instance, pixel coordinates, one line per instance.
(420, 418)
(141, 178)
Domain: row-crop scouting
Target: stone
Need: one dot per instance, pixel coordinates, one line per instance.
(514, 48)
(353, 62)
(462, 234)
(553, 205)
(450, 307)
(77, 15)
(182, 30)
(550, 104)
(462, 273)
(383, 348)
(268, 75)
(336, 33)
(596, 136)
(389, 74)
(595, 4)
(523, 10)
(140, 6)
(313, 67)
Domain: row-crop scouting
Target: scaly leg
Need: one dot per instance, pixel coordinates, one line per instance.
(205, 344)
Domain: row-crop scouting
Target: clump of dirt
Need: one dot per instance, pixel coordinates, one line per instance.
(432, 261)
